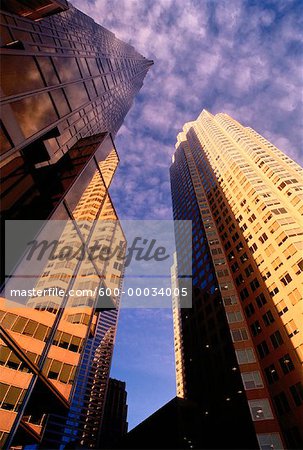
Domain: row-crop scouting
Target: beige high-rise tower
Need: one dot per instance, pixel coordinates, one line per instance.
(245, 198)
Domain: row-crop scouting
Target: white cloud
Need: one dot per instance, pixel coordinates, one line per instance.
(236, 57)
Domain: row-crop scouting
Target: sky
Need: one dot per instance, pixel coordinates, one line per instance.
(240, 57)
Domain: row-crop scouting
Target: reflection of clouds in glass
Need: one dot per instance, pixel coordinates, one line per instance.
(67, 68)
(20, 75)
(34, 113)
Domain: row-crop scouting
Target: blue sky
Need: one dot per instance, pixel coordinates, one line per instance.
(239, 57)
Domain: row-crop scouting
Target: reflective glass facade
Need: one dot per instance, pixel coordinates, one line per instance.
(63, 78)
(66, 85)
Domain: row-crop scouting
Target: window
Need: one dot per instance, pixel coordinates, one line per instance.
(249, 310)
(245, 355)
(244, 294)
(117, 266)
(30, 328)
(60, 102)
(256, 328)
(248, 270)
(252, 380)
(270, 441)
(239, 279)
(235, 237)
(286, 364)
(263, 349)
(3, 390)
(64, 340)
(271, 374)
(279, 211)
(230, 300)
(281, 308)
(12, 399)
(8, 320)
(273, 290)
(254, 284)
(13, 84)
(76, 95)
(225, 286)
(268, 318)
(269, 250)
(41, 332)
(4, 354)
(67, 68)
(235, 267)
(296, 391)
(277, 263)
(266, 275)
(13, 361)
(44, 113)
(239, 335)
(19, 324)
(231, 256)
(281, 403)
(234, 316)
(32, 356)
(263, 238)
(216, 251)
(261, 300)
(291, 328)
(222, 273)
(54, 370)
(239, 247)
(282, 238)
(65, 373)
(276, 339)
(286, 279)
(260, 409)
(244, 257)
(290, 251)
(295, 296)
(300, 267)
(75, 344)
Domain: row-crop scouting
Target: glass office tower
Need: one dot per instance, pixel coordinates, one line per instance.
(241, 341)
(66, 86)
(64, 78)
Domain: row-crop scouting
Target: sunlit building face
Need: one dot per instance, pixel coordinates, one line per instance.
(245, 198)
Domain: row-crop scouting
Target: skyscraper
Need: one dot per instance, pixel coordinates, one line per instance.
(67, 84)
(178, 342)
(64, 78)
(114, 425)
(241, 341)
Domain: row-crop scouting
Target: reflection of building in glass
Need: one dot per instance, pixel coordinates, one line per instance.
(95, 406)
(241, 340)
(85, 418)
(67, 85)
(57, 329)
